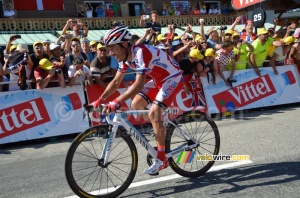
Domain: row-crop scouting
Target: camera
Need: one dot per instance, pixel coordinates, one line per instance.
(223, 28)
(230, 81)
(57, 71)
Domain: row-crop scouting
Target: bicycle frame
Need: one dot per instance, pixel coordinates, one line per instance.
(121, 120)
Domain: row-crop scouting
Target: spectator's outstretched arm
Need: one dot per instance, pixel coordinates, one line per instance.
(147, 33)
(142, 21)
(66, 27)
(273, 58)
(8, 44)
(237, 21)
(182, 49)
(202, 28)
(253, 63)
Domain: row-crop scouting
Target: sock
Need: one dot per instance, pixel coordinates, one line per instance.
(161, 153)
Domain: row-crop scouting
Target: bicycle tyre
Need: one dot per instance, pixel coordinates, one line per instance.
(85, 174)
(186, 163)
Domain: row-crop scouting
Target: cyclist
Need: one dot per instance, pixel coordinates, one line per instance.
(166, 81)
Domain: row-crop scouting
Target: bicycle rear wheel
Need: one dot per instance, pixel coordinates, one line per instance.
(201, 128)
(85, 172)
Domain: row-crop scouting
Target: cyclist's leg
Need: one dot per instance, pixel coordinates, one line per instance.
(163, 99)
(145, 97)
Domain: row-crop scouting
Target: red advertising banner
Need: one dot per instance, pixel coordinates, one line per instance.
(241, 4)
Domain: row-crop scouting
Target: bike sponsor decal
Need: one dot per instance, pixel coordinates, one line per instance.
(23, 116)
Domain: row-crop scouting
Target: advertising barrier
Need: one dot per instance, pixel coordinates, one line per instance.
(253, 91)
(34, 114)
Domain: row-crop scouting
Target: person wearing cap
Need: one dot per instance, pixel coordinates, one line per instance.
(261, 45)
(46, 44)
(224, 55)
(280, 53)
(160, 39)
(189, 68)
(78, 72)
(228, 35)
(47, 75)
(78, 28)
(93, 50)
(85, 47)
(10, 45)
(103, 67)
(209, 65)
(213, 39)
(177, 50)
(58, 58)
(76, 52)
(241, 50)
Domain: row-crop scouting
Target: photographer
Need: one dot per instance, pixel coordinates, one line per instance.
(155, 25)
(76, 25)
(47, 75)
(213, 39)
(79, 72)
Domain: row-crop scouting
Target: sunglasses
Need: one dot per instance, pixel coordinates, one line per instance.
(75, 45)
(203, 42)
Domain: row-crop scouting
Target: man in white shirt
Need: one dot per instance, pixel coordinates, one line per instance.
(9, 13)
(79, 72)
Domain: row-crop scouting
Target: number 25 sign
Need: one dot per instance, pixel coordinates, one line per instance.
(240, 4)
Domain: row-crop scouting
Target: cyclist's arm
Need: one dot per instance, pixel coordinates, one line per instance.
(134, 89)
(113, 85)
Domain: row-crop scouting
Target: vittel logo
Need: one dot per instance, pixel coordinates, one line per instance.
(22, 117)
(245, 93)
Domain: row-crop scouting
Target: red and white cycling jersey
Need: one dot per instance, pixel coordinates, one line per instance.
(153, 62)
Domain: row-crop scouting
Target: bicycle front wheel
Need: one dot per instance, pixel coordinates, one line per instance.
(86, 173)
(202, 130)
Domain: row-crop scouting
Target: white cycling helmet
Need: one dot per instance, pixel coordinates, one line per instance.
(118, 34)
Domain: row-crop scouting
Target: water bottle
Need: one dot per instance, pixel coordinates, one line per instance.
(23, 114)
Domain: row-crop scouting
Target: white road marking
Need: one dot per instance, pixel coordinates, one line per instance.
(176, 176)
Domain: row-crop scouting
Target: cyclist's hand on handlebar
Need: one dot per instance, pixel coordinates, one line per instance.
(111, 107)
(96, 104)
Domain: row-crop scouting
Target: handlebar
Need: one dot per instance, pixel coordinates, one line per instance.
(90, 108)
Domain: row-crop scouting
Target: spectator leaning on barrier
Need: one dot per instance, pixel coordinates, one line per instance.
(241, 50)
(281, 52)
(260, 46)
(38, 54)
(209, 65)
(58, 58)
(47, 75)
(100, 11)
(225, 54)
(103, 67)
(79, 72)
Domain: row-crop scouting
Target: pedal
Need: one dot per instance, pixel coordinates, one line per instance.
(155, 174)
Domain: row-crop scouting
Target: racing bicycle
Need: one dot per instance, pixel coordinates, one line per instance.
(102, 161)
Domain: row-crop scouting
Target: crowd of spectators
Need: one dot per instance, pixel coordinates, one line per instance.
(72, 57)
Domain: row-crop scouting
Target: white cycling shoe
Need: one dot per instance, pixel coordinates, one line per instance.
(156, 167)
